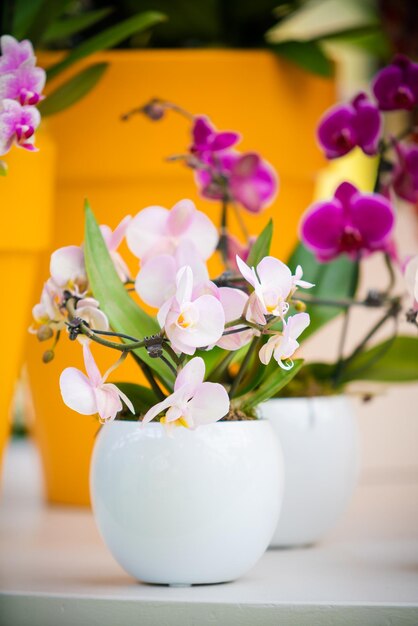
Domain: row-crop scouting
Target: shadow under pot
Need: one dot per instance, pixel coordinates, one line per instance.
(319, 440)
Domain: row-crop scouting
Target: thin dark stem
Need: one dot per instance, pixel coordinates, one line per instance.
(243, 367)
(146, 370)
(171, 353)
(344, 331)
(111, 334)
(169, 364)
(223, 240)
(391, 272)
(241, 223)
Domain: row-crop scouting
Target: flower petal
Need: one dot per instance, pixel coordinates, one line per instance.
(77, 391)
(146, 229)
(209, 404)
(192, 374)
(156, 281)
(67, 265)
(322, 227)
(374, 217)
(91, 368)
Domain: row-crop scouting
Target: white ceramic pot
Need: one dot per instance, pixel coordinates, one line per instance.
(319, 441)
(198, 507)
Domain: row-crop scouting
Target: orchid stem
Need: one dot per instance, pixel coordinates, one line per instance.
(391, 272)
(241, 223)
(244, 364)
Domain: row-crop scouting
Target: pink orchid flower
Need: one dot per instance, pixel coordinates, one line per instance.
(206, 139)
(48, 310)
(91, 394)
(156, 281)
(194, 402)
(68, 269)
(283, 345)
(190, 322)
(235, 248)
(234, 302)
(411, 279)
(15, 53)
(24, 84)
(17, 125)
(155, 231)
(88, 310)
(113, 239)
(273, 284)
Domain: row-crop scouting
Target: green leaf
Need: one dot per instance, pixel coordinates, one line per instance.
(73, 90)
(141, 397)
(3, 168)
(369, 38)
(40, 21)
(270, 386)
(307, 54)
(394, 360)
(70, 25)
(334, 280)
(107, 39)
(125, 316)
(261, 246)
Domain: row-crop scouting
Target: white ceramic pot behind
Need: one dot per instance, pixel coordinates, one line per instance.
(319, 441)
(198, 507)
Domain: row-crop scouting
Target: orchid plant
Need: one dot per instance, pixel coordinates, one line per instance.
(218, 347)
(202, 327)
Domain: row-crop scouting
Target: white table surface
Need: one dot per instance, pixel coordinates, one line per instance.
(55, 570)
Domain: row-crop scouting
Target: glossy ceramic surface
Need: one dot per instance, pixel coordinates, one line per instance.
(319, 441)
(198, 507)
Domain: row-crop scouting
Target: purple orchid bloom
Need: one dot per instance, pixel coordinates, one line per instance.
(243, 178)
(346, 126)
(405, 173)
(17, 125)
(396, 86)
(352, 222)
(206, 139)
(15, 53)
(24, 84)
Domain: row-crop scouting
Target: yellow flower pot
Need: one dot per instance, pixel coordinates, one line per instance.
(26, 196)
(120, 167)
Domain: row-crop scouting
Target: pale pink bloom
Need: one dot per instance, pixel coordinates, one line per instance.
(24, 84)
(90, 394)
(283, 345)
(68, 269)
(191, 322)
(234, 302)
(273, 284)
(194, 402)
(17, 125)
(156, 281)
(48, 310)
(88, 310)
(113, 239)
(411, 279)
(155, 231)
(14, 53)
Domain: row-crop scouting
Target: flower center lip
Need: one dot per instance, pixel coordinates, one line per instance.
(351, 240)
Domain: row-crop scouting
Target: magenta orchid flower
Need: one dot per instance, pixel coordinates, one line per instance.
(113, 239)
(91, 394)
(194, 402)
(155, 231)
(15, 53)
(411, 279)
(396, 86)
(206, 139)
(243, 178)
(405, 173)
(282, 346)
(273, 284)
(352, 222)
(156, 281)
(191, 322)
(348, 125)
(24, 84)
(68, 270)
(17, 126)
(235, 248)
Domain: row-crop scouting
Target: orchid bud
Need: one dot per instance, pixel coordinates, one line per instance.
(48, 356)
(154, 110)
(44, 333)
(300, 306)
